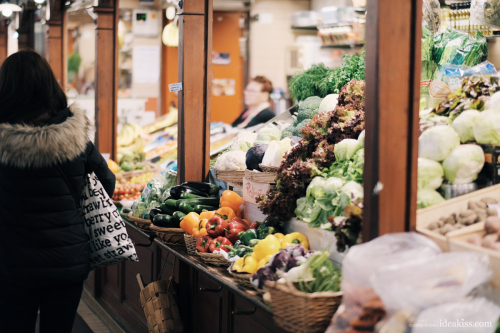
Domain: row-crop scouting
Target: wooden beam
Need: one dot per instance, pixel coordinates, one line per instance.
(195, 73)
(4, 41)
(55, 50)
(393, 33)
(26, 31)
(106, 76)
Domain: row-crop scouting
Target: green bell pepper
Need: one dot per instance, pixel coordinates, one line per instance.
(247, 236)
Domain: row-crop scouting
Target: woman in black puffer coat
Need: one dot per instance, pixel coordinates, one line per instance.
(44, 250)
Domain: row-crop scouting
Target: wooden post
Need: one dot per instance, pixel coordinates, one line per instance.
(195, 58)
(106, 76)
(26, 31)
(55, 50)
(4, 41)
(393, 33)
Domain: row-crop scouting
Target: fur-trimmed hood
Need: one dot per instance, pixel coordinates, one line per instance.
(26, 146)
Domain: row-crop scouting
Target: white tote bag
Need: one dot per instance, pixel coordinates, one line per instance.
(108, 237)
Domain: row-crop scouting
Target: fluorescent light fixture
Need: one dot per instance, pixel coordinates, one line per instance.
(39, 1)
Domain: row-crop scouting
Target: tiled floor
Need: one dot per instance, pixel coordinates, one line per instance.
(86, 321)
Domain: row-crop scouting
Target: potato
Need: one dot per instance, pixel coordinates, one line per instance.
(433, 226)
(489, 200)
(475, 240)
(472, 205)
(491, 212)
(451, 219)
(489, 240)
(467, 217)
(440, 223)
(481, 214)
(492, 225)
(446, 229)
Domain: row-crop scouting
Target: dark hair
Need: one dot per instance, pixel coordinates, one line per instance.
(267, 85)
(28, 89)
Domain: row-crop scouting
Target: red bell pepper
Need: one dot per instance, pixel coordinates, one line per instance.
(234, 228)
(215, 226)
(203, 244)
(254, 225)
(220, 243)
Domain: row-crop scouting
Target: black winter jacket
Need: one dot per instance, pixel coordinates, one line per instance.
(42, 238)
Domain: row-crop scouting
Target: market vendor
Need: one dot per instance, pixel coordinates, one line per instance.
(257, 96)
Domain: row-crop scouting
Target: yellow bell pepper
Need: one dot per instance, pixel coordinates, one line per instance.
(263, 262)
(238, 264)
(207, 215)
(190, 221)
(200, 229)
(249, 264)
(267, 246)
(279, 235)
(295, 238)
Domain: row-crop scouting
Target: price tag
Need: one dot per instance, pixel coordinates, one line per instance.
(175, 87)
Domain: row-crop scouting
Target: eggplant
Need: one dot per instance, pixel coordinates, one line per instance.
(153, 212)
(176, 191)
(209, 189)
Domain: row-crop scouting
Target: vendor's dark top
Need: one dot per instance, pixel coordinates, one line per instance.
(262, 117)
(42, 237)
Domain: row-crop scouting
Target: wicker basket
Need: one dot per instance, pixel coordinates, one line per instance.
(214, 259)
(190, 241)
(266, 168)
(170, 236)
(300, 312)
(140, 223)
(243, 279)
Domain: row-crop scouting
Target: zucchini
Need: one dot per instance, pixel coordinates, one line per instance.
(186, 208)
(199, 201)
(178, 190)
(210, 189)
(178, 217)
(171, 204)
(165, 221)
(126, 210)
(167, 210)
(200, 208)
(187, 195)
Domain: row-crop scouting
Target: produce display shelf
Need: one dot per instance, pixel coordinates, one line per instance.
(218, 274)
(341, 46)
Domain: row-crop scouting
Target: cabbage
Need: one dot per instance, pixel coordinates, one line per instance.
(321, 187)
(354, 191)
(276, 151)
(430, 174)
(464, 164)
(463, 125)
(345, 149)
(494, 102)
(361, 139)
(427, 197)
(268, 134)
(328, 103)
(437, 142)
(487, 127)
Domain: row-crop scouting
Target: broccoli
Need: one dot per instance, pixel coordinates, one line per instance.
(287, 132)
(308, 108)
(300, 126)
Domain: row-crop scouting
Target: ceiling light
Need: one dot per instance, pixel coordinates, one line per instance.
(170, 12)
(8, 8)
(39, 1)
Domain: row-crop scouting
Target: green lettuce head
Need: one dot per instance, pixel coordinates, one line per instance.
(486, 127)
(427, 197)
(464, 164)
(430, 174)
(463, 125)
(345, 149)
(437, 143)
(361, 139)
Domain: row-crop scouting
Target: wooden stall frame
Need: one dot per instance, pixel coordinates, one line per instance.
(393, 33)
(4, 40)
(55, 51)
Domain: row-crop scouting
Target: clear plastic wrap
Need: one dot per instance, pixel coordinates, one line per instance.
(431, 10)
(485, 12)
(419, 284)
(461, 317)
(364, 260)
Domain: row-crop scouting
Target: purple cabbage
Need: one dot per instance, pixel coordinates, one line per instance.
(279, 261)
(264, 274)
(295, 261)
(296, 250)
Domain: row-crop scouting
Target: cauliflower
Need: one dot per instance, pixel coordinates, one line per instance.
(244, 141)
(231, 161)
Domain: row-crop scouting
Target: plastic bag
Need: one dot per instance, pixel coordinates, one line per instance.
(364, 260)
(419, 284)
(155, 192)
(485, 12)
(459, 317)
(431, 10)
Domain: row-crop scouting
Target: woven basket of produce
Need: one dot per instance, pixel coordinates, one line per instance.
(243, 279)
(214, 259)
(170, 236)
(190, 241)
(266, 168)
(301, 312)
(140, 223)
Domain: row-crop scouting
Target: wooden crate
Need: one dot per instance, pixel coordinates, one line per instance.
(459, 243)
(230, 176)
(261, 177)
(431, 214)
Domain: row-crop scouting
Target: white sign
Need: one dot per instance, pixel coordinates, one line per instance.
(175, 87)
(146, 64)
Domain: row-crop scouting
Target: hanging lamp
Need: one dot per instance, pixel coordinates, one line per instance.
(8, 8)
